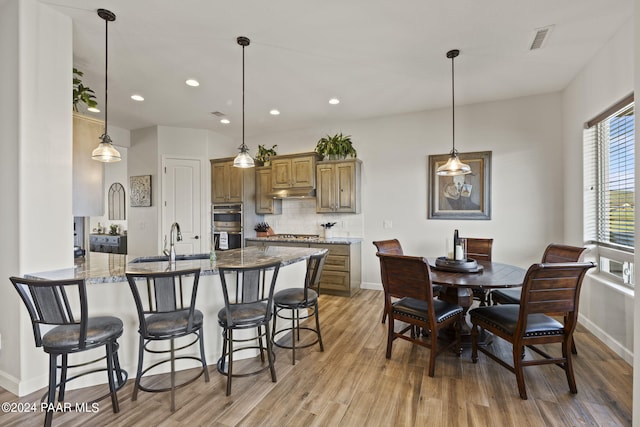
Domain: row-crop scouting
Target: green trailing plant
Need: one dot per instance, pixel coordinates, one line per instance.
(82, 93)
(264, 154)
(338, 146)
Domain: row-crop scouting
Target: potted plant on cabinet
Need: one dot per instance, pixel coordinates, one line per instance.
(264, 154)
(82, 93)
(335, 147)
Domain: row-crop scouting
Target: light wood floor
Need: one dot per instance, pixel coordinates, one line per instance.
(353, 384)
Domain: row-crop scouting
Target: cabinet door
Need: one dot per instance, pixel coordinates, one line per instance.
(326, 186)
(219, 191)
(235, 183)
(264, 203)
(281, 173)
(303, 172)
(345, 196)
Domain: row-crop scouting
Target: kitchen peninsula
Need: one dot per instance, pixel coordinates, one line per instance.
(109, 294)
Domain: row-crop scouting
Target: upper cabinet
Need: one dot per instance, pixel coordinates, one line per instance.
(226, 181)
(338, 186)
(265, 204)
(293, 171)
(88, 174)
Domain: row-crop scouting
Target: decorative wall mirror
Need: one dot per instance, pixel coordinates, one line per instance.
(116, 202)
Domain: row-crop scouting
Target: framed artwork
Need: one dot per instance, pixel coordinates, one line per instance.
(463, 196)
(140, 189)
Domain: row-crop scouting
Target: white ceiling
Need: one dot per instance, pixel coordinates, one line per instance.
(378, 57)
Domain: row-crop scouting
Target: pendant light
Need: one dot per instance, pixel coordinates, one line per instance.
(453, 166)
(243, 160)
(106, 152)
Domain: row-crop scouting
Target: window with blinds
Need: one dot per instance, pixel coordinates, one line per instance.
(609, 176)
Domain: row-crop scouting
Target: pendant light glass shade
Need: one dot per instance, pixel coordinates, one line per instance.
(106, 152)
(243, 160)
(453, 166)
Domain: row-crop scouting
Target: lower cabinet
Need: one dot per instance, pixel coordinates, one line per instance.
(342, 269)
(108, 243)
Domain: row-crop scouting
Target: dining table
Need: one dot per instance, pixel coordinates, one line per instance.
(458, 286)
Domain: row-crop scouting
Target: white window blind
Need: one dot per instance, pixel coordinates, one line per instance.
(609, 178)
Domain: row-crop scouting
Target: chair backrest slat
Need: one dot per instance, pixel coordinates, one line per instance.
(553, 288)
(479, 248)
(562, 253)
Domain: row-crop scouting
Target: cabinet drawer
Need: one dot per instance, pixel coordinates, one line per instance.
(337, 280)
(337, 263)
(333, 249)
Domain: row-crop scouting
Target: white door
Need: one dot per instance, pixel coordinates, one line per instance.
(181, 181)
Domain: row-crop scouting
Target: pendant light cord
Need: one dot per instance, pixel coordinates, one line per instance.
(244, 147)
(106, 67)
(453, 105)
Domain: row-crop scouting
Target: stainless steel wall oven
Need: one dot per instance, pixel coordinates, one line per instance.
(226, 226)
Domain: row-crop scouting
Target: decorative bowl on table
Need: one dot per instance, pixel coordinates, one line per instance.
(468, 265)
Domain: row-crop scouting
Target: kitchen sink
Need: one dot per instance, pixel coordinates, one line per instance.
(160, 258)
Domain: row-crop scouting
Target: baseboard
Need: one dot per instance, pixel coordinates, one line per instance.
(9, 383)
(607, 339)
(371, 285)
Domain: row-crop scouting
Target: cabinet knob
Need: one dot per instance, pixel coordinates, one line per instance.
(196, 237)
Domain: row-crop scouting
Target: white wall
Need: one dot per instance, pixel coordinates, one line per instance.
(606, 310)
(36, 114)
(521, 133)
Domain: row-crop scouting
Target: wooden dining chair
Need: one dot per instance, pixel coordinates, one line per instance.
(407, 279)
(392, 247)
(552, 254)
(547, 288)
(479, 249)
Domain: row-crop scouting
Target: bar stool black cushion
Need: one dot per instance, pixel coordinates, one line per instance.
(293, 300)
(248, 304)
(165, 302)
(49, 303)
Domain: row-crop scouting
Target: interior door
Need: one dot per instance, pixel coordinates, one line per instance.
(181, 191)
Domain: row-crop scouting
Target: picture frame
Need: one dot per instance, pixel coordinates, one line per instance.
(140, 191)
(463, 196)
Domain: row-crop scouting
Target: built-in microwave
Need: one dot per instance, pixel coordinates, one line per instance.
(226, 226)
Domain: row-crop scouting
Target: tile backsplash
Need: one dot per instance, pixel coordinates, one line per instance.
(299, 217)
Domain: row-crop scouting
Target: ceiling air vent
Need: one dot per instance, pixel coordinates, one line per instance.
(218, 114)
(540, 37)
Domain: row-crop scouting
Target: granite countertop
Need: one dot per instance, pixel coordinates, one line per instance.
(105, 268)
(322, 240)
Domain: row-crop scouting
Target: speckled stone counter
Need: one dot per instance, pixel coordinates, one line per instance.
(321, 240)
(104, 268)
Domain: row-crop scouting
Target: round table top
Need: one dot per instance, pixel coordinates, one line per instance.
(493, 275)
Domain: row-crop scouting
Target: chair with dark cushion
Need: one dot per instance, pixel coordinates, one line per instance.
(479, 249)
(391, 247)
(553, 253)
(300, 303)
(547, 288)
(248, 304)
(408, 280)
(165, 302)
(62, 326)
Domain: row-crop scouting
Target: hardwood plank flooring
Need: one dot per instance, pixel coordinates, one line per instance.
(352, 384)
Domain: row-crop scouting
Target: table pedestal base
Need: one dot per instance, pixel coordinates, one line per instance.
(464, 298)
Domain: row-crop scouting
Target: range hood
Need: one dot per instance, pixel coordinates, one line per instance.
(294, 193)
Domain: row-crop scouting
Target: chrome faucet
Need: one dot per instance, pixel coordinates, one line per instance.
(172, 250)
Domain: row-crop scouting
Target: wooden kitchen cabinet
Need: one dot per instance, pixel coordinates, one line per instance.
(338, 186)
(226, 181)
(342, 269)
(293, 171)
(265, 204)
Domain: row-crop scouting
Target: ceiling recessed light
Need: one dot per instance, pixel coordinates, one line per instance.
(137, 97)
(225, 121)
(334, 101)
(274, 112)
(93, 110)
(193, 83)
